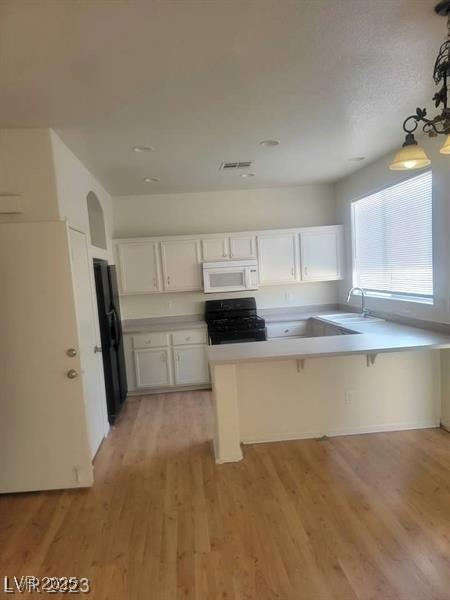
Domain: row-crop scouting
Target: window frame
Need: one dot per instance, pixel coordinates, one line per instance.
(387, 295)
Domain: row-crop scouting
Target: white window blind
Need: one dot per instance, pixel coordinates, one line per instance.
(392, 235)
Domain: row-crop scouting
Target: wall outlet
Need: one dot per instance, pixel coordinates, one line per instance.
(349, 396)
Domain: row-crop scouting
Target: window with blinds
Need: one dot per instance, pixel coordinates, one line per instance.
(392, 237)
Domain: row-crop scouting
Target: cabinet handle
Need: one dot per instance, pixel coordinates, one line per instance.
(292, 271)
(177, 357)
(286, 331)
(154, 281)
(168, 280)
(306, 270)
(148, 342)
(188, 339)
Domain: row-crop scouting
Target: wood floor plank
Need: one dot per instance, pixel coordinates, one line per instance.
(351, 518)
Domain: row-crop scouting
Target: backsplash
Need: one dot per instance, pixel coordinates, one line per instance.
(190, 303)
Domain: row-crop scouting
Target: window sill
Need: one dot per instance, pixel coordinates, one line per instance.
(400, 298)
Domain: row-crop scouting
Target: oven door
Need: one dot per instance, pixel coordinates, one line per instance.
(226, 279)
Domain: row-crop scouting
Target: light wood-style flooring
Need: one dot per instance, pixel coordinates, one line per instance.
(357, 517)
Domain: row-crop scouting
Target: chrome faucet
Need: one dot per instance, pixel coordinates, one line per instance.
(364, 310)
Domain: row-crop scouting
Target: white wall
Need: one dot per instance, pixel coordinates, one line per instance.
(214, 212)
(193, 303)
(275, 400)
(376, 176)
(26, 169)
(73, 183)
(225, 211)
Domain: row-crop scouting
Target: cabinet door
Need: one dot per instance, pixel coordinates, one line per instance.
(242, 246)
(153, 368)
(278, 258)
(139, 270)
(191, 365)
(215, 249)
(321, 253)
(181, 265)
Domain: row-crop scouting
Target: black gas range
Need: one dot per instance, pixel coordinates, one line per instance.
(234, 320)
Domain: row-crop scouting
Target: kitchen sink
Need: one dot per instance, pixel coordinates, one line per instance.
(351, 318)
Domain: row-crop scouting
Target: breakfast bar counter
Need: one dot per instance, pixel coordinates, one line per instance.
(373, 376)
(365, 336)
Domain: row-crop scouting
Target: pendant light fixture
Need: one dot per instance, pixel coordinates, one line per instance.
(412, 156)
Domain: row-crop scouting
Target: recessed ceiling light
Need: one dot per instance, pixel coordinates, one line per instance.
(269, 143)
(151, 179)
(357, 158)
(142, 149)
(248, 175)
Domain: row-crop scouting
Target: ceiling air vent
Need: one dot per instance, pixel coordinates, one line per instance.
(242, 164)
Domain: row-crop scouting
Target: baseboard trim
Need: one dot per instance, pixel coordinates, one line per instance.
(304, 435)
(168, 390)
(445, 426)
(220, 460)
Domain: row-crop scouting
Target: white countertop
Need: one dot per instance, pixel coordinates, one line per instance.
(175, 322)
(370, 338)
(147, 325)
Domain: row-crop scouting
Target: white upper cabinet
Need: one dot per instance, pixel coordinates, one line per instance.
(242, 246)
(181, 264)
(174, 264)
(139, 267)
(223, 248)
(215, 248)
(278, 258)
(321, 250)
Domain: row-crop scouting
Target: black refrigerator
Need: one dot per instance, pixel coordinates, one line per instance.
(111, 337)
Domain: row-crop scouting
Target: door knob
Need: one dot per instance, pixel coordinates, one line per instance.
(71, 352)
(71, 374)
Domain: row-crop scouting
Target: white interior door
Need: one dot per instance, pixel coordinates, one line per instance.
(44, 440)
(92, 369)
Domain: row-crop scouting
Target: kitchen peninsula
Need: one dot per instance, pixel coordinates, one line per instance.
(346, 375)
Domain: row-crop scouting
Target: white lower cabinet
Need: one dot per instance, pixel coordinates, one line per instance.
(190, 365)
(153, 367)
(180, 360)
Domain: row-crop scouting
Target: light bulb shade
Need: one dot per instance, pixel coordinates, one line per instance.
(410, 157)
(446, 147)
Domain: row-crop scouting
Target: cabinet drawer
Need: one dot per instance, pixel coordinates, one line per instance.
(150, 340)
(292, 329)
(189, 336)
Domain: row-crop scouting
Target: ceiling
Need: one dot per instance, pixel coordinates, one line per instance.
(204, 81)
